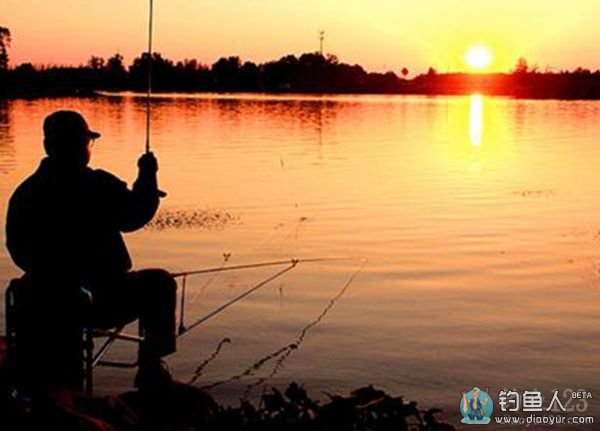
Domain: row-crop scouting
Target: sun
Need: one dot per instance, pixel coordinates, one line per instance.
(478, 57)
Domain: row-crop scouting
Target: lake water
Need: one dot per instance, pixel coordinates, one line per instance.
(479, 218)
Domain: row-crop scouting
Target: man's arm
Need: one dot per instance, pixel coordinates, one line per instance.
(136, 207)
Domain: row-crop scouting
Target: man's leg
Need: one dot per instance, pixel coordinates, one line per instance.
(150, 296)
(154, 290)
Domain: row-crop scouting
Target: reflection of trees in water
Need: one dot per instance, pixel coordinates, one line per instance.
(116, 108)
(159, 112)
(7, 148)
(270, 119)
(319, 114)
(312, 114)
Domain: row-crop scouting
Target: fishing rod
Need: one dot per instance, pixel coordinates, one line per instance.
(149, 77)
(290, 264)
(261, 264)
(184, 330)
(161, 193)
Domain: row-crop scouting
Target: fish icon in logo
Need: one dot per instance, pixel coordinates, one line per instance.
(476, 407)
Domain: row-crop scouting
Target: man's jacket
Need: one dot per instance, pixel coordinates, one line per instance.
(62, 224)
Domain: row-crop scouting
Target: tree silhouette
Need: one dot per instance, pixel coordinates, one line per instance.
(250, 76)
(115, 64)
(5, 39)
(163, 72)
(521, 67)
(404, 72)
(115, 74)
(226, 73)
(95, 63)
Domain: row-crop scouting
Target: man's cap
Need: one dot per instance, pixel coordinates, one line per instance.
(65, 125)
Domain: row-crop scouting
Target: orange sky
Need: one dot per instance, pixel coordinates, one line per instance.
(378, 34)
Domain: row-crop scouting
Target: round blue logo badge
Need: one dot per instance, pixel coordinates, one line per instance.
(476, 407)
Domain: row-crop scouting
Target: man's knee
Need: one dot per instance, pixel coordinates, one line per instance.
(161, 281)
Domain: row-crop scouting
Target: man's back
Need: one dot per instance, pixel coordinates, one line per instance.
(71, 223)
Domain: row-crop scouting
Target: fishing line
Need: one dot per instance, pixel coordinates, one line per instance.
(212, 357)
(296, 345)
(283, 233)
(226, 257)
(249, 371)
(283, 353)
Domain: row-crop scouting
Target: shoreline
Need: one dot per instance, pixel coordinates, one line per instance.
(271, 95)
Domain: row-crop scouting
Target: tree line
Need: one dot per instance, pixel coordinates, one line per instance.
(307, 73)
(310, 72)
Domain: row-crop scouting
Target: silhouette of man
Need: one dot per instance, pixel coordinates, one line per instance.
(63, 230)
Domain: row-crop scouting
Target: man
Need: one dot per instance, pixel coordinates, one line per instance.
(63, 230)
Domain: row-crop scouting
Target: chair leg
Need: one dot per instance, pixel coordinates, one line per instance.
(88, 366)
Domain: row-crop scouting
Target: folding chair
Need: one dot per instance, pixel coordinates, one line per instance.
(91, 357)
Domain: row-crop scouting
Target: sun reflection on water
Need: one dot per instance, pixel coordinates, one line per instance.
(476, 120)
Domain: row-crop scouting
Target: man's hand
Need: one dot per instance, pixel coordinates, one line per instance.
(148, 163)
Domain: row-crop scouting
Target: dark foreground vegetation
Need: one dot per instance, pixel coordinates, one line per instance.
(184, 407)
(177, 406)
